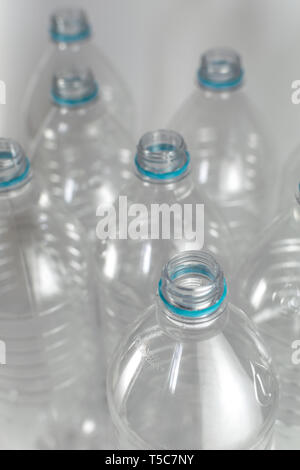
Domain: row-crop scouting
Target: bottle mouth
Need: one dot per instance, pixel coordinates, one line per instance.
(69, 25)
(162, 156)
(220, 69)
(192, 285)
(74, 87)
(14, 165)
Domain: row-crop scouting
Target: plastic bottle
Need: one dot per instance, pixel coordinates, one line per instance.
(128, 262)
(51, 383)
(71, 46)
(289, 181)
(193, 373)
(268, 287)
(231, 160)
(82, 154)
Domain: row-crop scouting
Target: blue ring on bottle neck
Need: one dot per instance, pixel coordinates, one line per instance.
(76, 102)
(56, 37)
(221, 86)
(164, 176)
(18, 179)
(193, 313)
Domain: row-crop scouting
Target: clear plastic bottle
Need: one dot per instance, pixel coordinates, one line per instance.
(82, 153)
(193, 373)
(231, 159)
(129, 267)
(268, 287)
(289, 180)
(50, 386)
(71, 45)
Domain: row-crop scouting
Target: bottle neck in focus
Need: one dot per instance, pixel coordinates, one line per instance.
(162, 157)
(192, 293)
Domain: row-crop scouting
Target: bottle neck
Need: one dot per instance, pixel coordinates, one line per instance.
(74, 88)
(192, 292)
(220, 71)
(162, 157)
(16, 183)
(15, 169)
(69, 26)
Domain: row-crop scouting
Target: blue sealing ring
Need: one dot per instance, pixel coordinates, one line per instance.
(56, 37)
(75, 102)
(163, 176)
(220, 86)
(18, 179)
(193, 313)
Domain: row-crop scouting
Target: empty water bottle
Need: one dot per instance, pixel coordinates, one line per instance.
(71, 45)
(231, 160)
(159, 213)
(82, 154)
(193, 373)
(289, 180)
(50, 384)
(268, 287)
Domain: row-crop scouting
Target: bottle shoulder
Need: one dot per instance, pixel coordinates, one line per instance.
(92, 122)
(186, 376)
(281, 234)
(152, 208)
(267, 283)
(219, 111)
(87, 54)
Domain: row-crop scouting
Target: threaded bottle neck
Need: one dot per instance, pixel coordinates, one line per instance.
(14, 166)
(192, 286)
(220, 69)
(73, 88)
(69, 25)
(162, 156)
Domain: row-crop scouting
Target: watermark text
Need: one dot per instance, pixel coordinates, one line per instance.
(151, 222)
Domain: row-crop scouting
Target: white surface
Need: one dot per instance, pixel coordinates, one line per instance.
(156, 44)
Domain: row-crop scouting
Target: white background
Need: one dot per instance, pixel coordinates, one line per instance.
(157, 43)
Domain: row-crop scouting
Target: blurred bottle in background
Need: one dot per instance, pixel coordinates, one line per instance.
(71, 34)
(191, 367)
(82, 153)
(268, 287)
(289, 181)
(231, 160)
(51, 387)
(128, 265)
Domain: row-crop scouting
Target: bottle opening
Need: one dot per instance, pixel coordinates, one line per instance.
(74, 87)
(69, 25)
(162, 155)
(14, 165)
(220, 69)
(192, 285)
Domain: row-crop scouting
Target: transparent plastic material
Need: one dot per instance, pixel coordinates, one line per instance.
(223, 133)
(51, 383)
(71, 46)
(268, 287)
(193, 373)
(289, 180)
(128, 269)
(82, 154)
